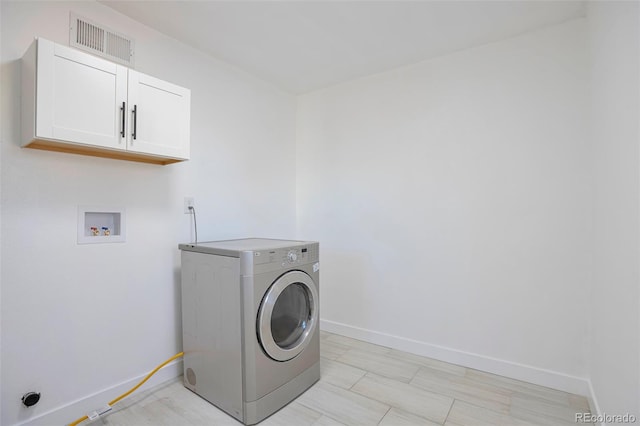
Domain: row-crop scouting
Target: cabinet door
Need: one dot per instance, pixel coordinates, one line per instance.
(79, 97)
(159, 117)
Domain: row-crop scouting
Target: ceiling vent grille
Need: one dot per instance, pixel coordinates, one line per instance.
(100, 41)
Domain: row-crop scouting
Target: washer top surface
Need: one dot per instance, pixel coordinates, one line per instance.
(235, 247)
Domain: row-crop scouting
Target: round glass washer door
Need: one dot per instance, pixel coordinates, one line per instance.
(288, 316)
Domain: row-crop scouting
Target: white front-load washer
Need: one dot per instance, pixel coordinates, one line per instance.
(250, 312)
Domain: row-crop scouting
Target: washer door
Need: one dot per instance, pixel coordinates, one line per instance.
(288, 316)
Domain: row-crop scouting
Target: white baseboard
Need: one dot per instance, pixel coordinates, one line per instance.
(68, 413)
(527, 373)
(593, 401)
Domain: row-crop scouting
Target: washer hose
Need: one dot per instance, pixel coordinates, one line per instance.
(133, 389)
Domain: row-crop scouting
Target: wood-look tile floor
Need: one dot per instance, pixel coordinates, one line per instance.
(365, 384)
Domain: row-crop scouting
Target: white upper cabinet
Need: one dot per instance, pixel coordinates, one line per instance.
(78, 96)
(75, 102)
(159, 116)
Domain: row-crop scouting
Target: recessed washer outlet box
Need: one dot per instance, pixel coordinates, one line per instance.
(101, 225)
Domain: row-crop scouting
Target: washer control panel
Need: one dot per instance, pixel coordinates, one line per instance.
(292, 256)
(287, 257)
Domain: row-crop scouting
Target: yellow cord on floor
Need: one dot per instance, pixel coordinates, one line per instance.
(133, 389)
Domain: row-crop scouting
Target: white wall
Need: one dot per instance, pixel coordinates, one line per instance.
(614, 368)
(452, 200)
(79, 319)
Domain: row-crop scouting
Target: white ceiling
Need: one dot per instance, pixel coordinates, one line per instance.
(306, 45)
